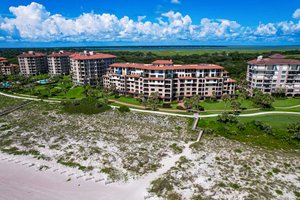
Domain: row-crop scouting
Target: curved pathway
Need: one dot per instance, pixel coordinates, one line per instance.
(162, 113)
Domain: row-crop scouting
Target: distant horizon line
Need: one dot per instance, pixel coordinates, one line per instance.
(136, 46)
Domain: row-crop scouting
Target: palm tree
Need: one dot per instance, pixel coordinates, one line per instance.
(188, 104)
(195, 100)
(153, 100)
(225, 98)
(235, 105)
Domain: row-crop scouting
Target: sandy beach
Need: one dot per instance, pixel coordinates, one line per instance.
(19, 182)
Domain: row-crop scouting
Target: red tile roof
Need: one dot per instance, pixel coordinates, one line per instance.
(273, 60)
(79, 56)
(64, 54)
(32, 55)
(162, 62)
(230, 81)
(155, 79)
(133, 76)
(277, 56)
(2, 58)
(174, 67)
(186, 78)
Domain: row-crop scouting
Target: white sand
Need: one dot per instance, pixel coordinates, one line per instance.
(19, 181)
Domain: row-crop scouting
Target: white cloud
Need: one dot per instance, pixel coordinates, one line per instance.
(175, 1)
(141, 18)
(217, 28)
(266, 29)
(34, 23)
(296, 14)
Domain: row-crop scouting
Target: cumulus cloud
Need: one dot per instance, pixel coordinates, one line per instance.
(266, 29)
(34, 23)
(175, 1)
(217, 28)
(141, 18)
(296, 14)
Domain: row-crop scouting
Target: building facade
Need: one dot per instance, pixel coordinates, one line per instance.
(32, 63)
(6, 68)
(59, 63)
(168, 80)
(273, 73)
(87, 68)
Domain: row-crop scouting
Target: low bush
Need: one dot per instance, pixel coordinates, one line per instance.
(180, 108)
(89, 105)
(123, 109)
(226, 118)
(160, 186)
(264, 127)
(176, 148)
(294, 130)
(166, 105)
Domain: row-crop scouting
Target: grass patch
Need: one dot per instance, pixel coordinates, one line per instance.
(246, 130)
(286, 102)
(279, 192)
(86, 106)
(176, 148)
(75, 93)
(161, 186)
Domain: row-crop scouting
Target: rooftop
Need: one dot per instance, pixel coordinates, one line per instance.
(31, 54)
(91, 56)
(163, 62)
(60, 54)
(173, 67)
(273, 60)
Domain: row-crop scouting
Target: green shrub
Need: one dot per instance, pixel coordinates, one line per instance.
(294, 130)
(226, 118)
(173, 196)
(263, 126)
(176, 148)
(180, 108)
(89, 105)
(123, 109)
(279, 192)
(166, 105)
(241, 126)
(160, 185)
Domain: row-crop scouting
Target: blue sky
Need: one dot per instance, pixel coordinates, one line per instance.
(151, 22)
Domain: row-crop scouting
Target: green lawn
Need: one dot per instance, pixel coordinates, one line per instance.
(76, 92)
(280, 139)
(276, 121)
(126, 99)
(7, 101)
(219, 105)
(286, 102)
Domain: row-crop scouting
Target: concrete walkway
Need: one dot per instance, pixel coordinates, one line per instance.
(162, 113)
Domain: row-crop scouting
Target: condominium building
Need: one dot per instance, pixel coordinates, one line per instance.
(6, 68)
(89, 67)
(274, 72)
(169, 80)
(32, 63)
(59, 63)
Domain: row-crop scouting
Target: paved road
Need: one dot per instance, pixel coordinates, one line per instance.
(164, 113)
